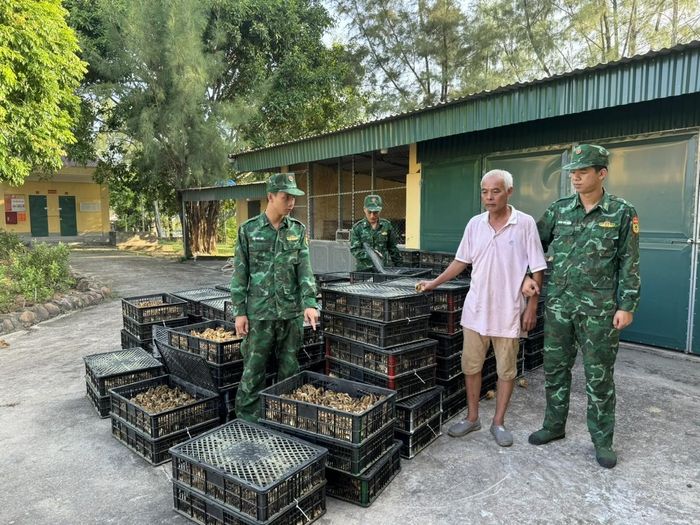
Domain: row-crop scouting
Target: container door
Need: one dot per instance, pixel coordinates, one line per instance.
(658, 177)
(449, 198)
(66, 211)
(38, 216)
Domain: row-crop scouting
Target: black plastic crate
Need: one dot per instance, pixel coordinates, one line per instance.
(323, 279)
(406, 384)
(533, 361)
(172, 308)
(533, 344)
(414, 442)
(448, 344)
(155, 451)
(448, 297)
(113, 369)
(311, 336)
(415, 411)
(390, 274)
(363, 489)
(220, 309)
(454, 404)
(220, 376)
(249, 468)
(446, 322)
(410, 258)
(206, 408)
(101, 403)
(144, 331)
(205, 511)
(452, 385)
(195, 296)
(375, 302)
(217, 352)
(381, 335)
(130, 341)
(348, 457)
(449, 367)
(326, 421)
(393, 361)
(311, 354)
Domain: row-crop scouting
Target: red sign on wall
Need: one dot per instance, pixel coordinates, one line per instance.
(10, 217)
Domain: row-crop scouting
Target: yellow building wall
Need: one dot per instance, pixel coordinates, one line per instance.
(413, 187)
(93, 198)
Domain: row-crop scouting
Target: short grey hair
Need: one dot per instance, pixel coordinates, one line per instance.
(504, 175)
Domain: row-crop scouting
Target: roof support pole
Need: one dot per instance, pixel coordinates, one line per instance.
(309, 201)
(185, 231)
(371, 172)
(340, 199)
(352, 210)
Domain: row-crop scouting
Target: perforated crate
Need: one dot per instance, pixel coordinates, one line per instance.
(195, 296)
(311, 336)
(414, 442)
(448, 297)
(415, 411)
(279, 408)
(452, 385)
(206, 511)
(449, 367)
(454, 404)
(144, 331)
(220, 309)
(311, 354)
(390, 274)
(205, 408)
(410, 258)
(446, 322)
(113, 369)
(217, 352)
(448, 344)
(155, 451)
(381, 335)
(363, 489)
(130, 341)
(249, 468)
(348, 457)
(222, 376)
(375, 302)
(406, 384)
(533, 361)
(392, 361)
(323, 279)
(532, 344)
(100, 403)
(171, 308)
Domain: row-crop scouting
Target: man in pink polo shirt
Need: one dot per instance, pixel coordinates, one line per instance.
(500, 244)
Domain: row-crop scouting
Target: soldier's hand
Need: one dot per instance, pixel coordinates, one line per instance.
(530, 288)
(622, 319)
(242, 325)
(311, 317)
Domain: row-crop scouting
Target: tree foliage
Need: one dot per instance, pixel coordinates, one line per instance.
(39, 72)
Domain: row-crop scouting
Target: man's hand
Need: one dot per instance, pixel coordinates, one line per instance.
(242, 325)
(529, 319)
(622, 319)
(311, 317)
(530, 288)
(425, 286)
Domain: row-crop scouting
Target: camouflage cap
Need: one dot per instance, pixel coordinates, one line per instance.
(585, 155)
(283, 182)
(373, 203)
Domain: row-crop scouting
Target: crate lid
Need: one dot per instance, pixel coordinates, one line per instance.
(419, 399)
(200, 294)
(376, 290)
(226, 287)
(187, 366)
(120, 361)
(411, 282)
(257, 456)
(217, 304)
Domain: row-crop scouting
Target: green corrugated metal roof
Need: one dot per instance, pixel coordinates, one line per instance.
(254, 190)
(652, 76)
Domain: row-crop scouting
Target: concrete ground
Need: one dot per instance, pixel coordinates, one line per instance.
(59, 463)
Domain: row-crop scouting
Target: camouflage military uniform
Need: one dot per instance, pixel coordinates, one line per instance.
(595, 273)
(383, 240)
(272, 283)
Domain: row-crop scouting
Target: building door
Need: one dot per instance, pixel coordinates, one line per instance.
(449, 198)
(253, 209)
(38, 216)
(658, 177)
(67, 216)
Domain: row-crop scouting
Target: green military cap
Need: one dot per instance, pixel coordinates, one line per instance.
(586, 155)
(373, 203)
(283, 182)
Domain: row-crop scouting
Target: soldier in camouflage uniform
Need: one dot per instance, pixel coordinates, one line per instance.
(591, 295)
(272, 284)
(378, 233)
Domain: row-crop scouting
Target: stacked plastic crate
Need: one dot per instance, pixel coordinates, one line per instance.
(438, 262)
(377, 334)
(195, 296)
(140, 314)
(362, 455)
(242, 473)
(113, 369)
(532, 346)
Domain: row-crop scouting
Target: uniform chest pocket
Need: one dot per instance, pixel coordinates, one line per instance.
(289, 251)
(563, 237)
(604, 241)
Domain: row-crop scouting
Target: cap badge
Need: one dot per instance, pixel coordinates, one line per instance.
(290, 178)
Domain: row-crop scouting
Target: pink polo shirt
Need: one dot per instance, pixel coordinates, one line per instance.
(499, 261)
